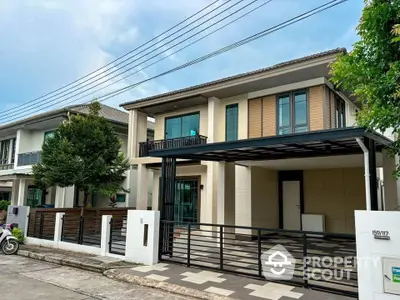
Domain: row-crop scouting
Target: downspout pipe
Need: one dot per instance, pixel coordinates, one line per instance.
(366, 173)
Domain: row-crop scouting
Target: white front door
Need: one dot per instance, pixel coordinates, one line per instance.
(291, 205)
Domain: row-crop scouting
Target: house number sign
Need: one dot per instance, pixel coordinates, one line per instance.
(381, 234)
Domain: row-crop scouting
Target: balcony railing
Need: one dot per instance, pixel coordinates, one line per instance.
(29, 158)
(6, 166)
(145, 147)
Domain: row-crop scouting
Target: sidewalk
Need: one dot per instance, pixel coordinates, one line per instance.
(191, 282)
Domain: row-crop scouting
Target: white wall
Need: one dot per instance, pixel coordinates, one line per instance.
(371, 251)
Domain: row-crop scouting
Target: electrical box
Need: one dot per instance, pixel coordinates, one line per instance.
(391, 275)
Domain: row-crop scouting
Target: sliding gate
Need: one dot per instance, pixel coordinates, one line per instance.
(324, 262)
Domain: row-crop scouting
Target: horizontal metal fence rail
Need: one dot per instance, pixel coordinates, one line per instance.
(117, 243)
(239, 250)
(81, 230)
(41, 226)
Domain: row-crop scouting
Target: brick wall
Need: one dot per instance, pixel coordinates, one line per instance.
(316, 107)
(269, 116)
(255, 118)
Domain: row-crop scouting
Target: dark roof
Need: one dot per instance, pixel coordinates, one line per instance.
(210, 83)
(110, 113)
(106, 111)
(329, 142)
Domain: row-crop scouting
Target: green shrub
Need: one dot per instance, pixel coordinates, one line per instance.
(18, 233)
(4, 204)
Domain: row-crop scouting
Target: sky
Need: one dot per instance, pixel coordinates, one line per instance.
(45, 44)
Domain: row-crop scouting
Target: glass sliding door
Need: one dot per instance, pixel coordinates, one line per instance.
(186, 200)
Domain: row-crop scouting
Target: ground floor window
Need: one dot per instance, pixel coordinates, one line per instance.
(35, 197)
(5, 196)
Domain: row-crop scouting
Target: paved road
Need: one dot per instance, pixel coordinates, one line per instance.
(26, 279)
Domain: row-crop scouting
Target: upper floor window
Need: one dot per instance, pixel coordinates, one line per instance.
(7, 151)
(231, 117)
(292, 112)
(340, 113)
(181, 126)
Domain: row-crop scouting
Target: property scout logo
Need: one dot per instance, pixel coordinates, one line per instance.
(278, 263)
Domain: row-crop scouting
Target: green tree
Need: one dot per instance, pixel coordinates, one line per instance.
(84, 152)
(372, 69)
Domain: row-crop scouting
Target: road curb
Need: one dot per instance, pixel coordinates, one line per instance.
(62, 261)
(165, 286)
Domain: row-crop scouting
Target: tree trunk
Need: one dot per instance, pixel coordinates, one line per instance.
(85, 202)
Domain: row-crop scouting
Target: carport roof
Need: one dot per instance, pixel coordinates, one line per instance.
(329, 142)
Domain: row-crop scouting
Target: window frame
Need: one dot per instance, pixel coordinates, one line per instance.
(292, 112)
(179, 116)
(339, 110)
(236, 105)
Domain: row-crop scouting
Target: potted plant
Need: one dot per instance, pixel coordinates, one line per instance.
(3, 210)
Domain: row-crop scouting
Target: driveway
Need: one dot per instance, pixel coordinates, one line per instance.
(26, 279)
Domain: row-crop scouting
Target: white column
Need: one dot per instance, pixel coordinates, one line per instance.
(391, 202)
(64, 197)
(58, 227)
(156, 191)
(142, 188)
(14, 192)
(137, 132)
(22, 190)
(221, 193)
(208, 210)
(105, 234)
(132, 186)
(243, 198)
(132, 134)
(142, 237)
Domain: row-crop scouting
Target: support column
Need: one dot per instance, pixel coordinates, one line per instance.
(390, 197)
(131, 180)
(137, 132)
(243, 199)
(105, 234)
(156, 191)
(372, 172)
(142, 188)
(221, 193)
(22, 190)
(14, 192)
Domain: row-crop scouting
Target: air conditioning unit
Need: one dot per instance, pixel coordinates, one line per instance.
(311, 222)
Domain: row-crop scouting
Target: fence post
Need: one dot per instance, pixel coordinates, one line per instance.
(58, 228)
(259, 253)
(105, 234)
(80, 230)
(41, 224)
(188, 246)
(26, 229)
(305, 269)
(221, 247)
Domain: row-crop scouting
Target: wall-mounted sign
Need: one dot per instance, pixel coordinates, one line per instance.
(381, 234)
(396, 274)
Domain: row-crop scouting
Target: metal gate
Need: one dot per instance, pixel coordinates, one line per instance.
(117, 242)
(238, 249)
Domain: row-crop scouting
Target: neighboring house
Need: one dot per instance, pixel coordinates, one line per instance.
(20, 148)
(272, 148)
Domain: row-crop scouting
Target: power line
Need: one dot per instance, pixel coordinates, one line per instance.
(247, 40)
(84, 83)
(42, 105)
(117, 59)
(177, 51)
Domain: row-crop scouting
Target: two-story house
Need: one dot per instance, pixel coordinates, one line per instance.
(272, 148)
(20, 146)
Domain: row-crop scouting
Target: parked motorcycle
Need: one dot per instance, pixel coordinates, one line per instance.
(8, 243)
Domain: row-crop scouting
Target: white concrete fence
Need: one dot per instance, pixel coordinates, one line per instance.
(142, 237)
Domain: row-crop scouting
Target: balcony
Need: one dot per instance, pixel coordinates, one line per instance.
(28, 159)
(145, 147)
